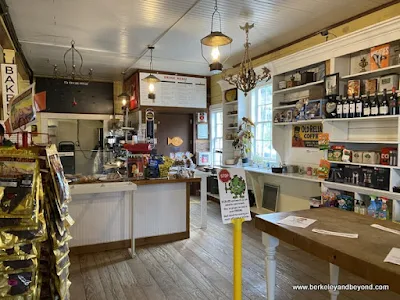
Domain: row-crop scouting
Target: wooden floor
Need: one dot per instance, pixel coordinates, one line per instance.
(201, 268)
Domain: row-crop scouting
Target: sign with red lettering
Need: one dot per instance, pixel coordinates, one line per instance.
(9, 77)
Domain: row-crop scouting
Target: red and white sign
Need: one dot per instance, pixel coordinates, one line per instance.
(202, 117)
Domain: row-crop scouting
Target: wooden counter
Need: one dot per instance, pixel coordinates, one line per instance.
(362, 256)
(163, 181)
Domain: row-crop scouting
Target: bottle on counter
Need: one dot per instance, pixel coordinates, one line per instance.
(378, 202)
(384, 106)
(383, 213)
(367, 106)
(339, 107)
(357, 207)
(372, 207)
(375, 105)
(394, 110)
(346, 107)
(352, 106)
(363, 209)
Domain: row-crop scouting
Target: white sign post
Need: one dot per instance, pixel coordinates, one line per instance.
(234, 198)
(9, 78)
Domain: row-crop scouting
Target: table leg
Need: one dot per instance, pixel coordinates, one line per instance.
(270, 244)
(334, 280)
(203, 202)
(132, 222)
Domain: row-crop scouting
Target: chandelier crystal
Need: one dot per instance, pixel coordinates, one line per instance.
(75, 70)
(247, 79)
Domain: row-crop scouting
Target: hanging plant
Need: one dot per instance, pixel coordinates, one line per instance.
(243, 139)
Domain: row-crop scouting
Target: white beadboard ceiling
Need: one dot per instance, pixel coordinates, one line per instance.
(112, 35)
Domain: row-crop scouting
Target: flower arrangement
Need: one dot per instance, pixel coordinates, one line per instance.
(243, 139)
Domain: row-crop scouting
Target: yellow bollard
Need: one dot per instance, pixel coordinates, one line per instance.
(237, 258)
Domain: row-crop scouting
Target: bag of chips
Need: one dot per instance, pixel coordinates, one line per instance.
(11, 237)
(17, 283)
(57, 173)
(16, 263)
(19, 184)
(22, 250)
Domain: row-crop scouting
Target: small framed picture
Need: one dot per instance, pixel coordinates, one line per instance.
(332, 85)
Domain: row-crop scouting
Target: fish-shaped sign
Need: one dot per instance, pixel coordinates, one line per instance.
(175, 141)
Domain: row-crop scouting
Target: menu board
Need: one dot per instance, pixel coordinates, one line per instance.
(175, 91)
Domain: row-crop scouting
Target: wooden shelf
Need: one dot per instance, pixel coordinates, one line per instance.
(364, 142)
(298, 88)
(361, 190)
(364, 165)
(387, 117)
(299, 122)
(231, 115)
(374, 73)
(286, 175)
(284, 107)
(232, 102)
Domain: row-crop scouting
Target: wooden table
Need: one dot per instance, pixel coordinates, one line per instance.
(363, 256)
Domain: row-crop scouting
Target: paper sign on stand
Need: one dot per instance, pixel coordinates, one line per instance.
(235, 208)
(233, 194)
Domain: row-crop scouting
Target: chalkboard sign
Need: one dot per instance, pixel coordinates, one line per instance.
(67, 96)
(270, 197)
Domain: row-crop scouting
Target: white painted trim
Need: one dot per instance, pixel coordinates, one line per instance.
(225, 85)
(66, 116)
(215, 107)
(380, 33)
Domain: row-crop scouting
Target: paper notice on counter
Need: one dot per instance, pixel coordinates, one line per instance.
(385, 229)
(297, 221)
(393, 256)
(342, 234)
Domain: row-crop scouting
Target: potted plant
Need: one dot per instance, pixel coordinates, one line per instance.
(243, 139)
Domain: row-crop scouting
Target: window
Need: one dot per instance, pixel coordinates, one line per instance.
(261, 115)
(216, 135)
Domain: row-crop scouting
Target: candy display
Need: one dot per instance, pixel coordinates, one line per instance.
(34, 224)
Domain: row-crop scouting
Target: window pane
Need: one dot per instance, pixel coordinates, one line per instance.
(219, 131)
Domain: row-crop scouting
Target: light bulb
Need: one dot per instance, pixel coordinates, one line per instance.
(215, 54)
(151, 87)
(124, 102)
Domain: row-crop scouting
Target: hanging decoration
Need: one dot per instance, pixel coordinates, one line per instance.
(151, 79)
(247, 79)
(124, 97)
(73, 72)
(215, 40)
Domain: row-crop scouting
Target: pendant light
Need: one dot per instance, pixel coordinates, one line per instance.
(151, 79)
(124, 97)
(215, 39)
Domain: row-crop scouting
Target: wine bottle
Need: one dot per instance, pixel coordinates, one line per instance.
(339, 108)
(384, 106)
(393, 102)
(346, 107)
(352, 107)
(359, 107)
(367, 106)
(375, 105)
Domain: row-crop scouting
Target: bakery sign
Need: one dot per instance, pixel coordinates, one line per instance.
(306, 135)
(9, 78)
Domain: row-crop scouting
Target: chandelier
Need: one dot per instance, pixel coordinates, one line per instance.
(247, 79)
(75, 70)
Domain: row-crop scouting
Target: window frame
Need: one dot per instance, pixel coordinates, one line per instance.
(214, 110)
(254, 108)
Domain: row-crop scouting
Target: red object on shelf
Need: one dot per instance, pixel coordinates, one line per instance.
(138, 148)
